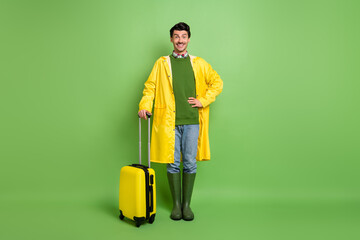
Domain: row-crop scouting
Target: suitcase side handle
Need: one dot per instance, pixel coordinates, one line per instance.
(151, 193)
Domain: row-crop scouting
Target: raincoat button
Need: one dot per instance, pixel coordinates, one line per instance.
(168, 76)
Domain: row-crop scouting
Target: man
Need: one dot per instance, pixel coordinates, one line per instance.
(180, 128)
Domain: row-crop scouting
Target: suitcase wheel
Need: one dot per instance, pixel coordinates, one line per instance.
(138, 221)
(121, 216)
(152, 219)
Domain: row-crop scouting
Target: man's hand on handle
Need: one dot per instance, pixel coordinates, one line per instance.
(142, 114)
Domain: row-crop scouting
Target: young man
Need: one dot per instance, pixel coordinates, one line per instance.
(180, 128)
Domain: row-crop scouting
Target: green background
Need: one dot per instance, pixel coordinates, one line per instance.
(284, 132)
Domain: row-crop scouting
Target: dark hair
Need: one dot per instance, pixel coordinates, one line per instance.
(181, 26)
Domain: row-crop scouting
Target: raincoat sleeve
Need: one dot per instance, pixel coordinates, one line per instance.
(215, 85)
(147, 100)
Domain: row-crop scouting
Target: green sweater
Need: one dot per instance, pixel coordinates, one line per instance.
(184, 87)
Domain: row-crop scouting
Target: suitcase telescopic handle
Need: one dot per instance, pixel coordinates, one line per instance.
(148, 116)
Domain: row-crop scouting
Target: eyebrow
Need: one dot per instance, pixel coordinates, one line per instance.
(181, 35)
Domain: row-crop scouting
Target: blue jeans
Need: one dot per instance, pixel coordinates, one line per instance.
(186, 141)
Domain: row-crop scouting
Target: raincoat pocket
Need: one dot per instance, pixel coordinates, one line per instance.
(159, 114)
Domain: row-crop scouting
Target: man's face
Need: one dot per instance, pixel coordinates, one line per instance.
(180, 40)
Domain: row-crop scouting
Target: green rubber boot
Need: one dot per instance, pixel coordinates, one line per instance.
(188, 184)
(175, 189)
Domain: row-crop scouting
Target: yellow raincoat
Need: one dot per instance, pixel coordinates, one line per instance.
(159, 87)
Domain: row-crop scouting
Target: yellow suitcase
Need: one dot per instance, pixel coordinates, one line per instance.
(137, 189)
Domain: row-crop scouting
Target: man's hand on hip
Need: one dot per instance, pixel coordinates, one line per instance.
(142, 114)
(194, 102)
